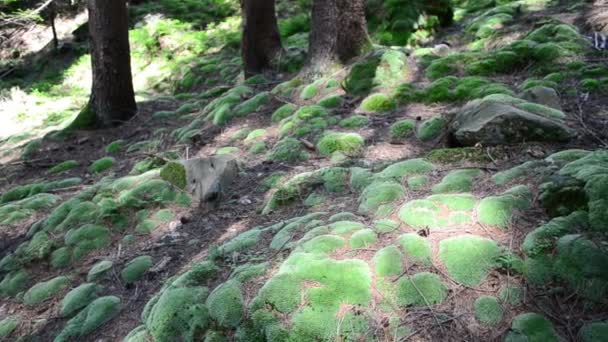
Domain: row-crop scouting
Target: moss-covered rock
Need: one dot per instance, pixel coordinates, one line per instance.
(8, 325)
(283, 112)
(99, 270)
(45, 290)
(135, 269)
(226, 304)
(499, 210)
(309, 91)
(90, 318)
(174, 173)
(431, 128)
(531, 327)
(468, 258)
(504, 177)
(402, 129)
(332, 101)
(349, 144)
(252, 105)
(513, 295)
(438, 211)
(378, 103)
(115, 146)
(78, 298)
(324, 244)
(416, 248)
(242, 241)
(63, 167)
(417, 182)
(409, 167)
(363, 238)
(421, 289)
(388, 261)
(287, 150)
(457, 181)
(378, 197)
(385, 226)
(86, 239)
(488, 310)
(14, 282)
(102, 164)
(355, 121)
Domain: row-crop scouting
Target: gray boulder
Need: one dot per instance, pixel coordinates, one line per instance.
(542, 95)
(501, 120)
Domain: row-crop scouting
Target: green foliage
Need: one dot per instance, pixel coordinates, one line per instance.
(309, 91)
(283, 112)
(174, 173)
(332, 101)
(63, 167)
(363, 238)
(488, 310)
(14, 282)
(531, 327)
(420, 289)
(457, 181)
(61, 257)
(102, 164)
(402, 129)
(177, 313)
(347, 143)
(226, 304)
(499, 210)
(98, 312)
(416, 248)
(78, 298)
(135, 269)
(388, 261)
(431, 128)
(378, 103)
(468, 258)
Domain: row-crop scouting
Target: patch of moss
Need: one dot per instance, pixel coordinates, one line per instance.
(152, 192)
(385, 226)
(346, 143)
(438, 211)
(504, 177)
(513, 295)
(8, 325)
(324, 244)
(45, 290)
(416, 248)
(135, 269)
(431, 128)
(378, 103)
(102, 164)
(457, 181)
(360, 178)
(417, 182)
(86, 239)
(402, 129)
(405, 168)
(90, 318)
(174, 173)
(287, 150)
(332, 101)
(378, 195)
(242, 241)
(363, 238)
(144, 146)
(14, 282)
(226, 150)
(253, 104)
(61, 257)
(499, 210)
(590, 332)
(31, 148)
(177, 313)
(344, 216)
(355, 121)
(309, 92)
(78, 298)
(488, 310)
(99, 270)
(420, 289)
(388, 261)
(335, 179)
(468, 258)
(283, 112)
(63, 167)
(226, 304)
(531, 327)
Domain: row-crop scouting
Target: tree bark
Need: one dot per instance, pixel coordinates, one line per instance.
(261, 39)
(338, 33)
(112, 100)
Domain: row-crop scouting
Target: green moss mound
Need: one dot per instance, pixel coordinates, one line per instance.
(380, 195)
(252, 105)
(590, 332)
(309, 91)
(420, 289)
(226, 304)
(431, 128)
(14, 282)
(135, 269)
(177, 313)
(63, 167)
(324, 244)
(61, 257)
(488, 310)
(332, 101)
(242, 241)
(405, 168)
(513, 295)
(499, 210)
(438, 211)
(531, 327)
(86, 239)
(115, 146)
(378, 103)
(417, 182)
(468, 258)
(457, 181)
(99, 270)
(385, 226)
(355, 121)
(102, 164)
(287, 150)
(345, 227)
(363, 239)
(94, 315)
(78, 298)
(416, 248)
(402, 129)
(349, 144)
(504, 177)
(45, 290)
(8, 325)
(283, 112)
(388, 261)
(174, 173)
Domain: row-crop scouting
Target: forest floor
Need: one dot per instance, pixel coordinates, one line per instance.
(354, 217)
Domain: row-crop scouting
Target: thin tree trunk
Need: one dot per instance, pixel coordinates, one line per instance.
(352, 29)
(323, 42)
(112, 100)
(261, 38)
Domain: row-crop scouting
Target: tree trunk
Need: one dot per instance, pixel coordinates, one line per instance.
(338, 33)
(112, 100)
(261, 38)
(352, 30)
